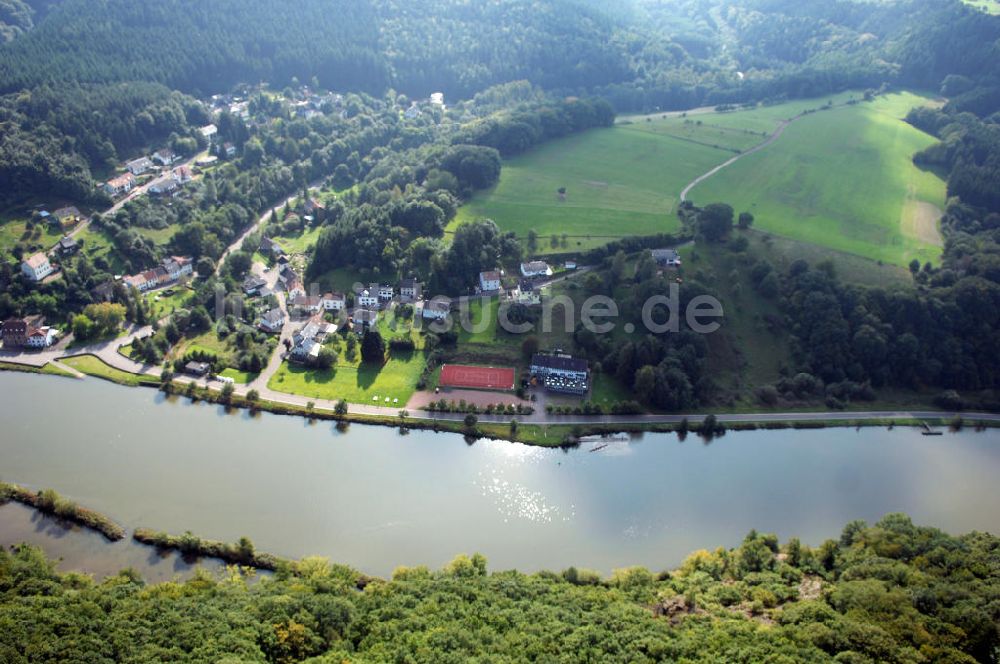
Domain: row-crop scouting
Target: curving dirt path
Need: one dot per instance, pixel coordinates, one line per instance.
(760, 146)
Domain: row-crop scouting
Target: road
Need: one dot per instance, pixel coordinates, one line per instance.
(132, 195)
(236, 244)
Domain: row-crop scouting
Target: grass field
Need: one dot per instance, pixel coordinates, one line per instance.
(840, 178)
(619, 181)
(843, 179)
(355, 382)
(94, 366)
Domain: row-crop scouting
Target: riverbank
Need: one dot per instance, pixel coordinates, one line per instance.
(48, 501)
(540, 429)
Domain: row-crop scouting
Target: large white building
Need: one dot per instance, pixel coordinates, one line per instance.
(36, 267)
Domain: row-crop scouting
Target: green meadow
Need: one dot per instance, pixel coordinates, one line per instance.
(619, 181)
(840, 177)
(844, 179)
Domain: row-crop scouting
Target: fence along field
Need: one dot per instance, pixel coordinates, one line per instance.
(841, 178)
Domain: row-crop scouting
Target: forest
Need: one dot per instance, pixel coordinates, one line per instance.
(892, 591)
(84, 84)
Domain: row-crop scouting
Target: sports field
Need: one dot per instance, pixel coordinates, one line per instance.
(481, 378)
(842, 178)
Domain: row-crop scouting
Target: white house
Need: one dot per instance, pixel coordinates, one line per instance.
(310, 304)
(489, 282)
(536, 269)
(119, 185)
(436, 309)
(36, 267)
(165, 156)
(367, 299)
(272, 321)
(177, 267)
(364, 317)
(208, 131)
(164, 186)
(139, 166)
(409, 290)
(437, 98)
(385, 292)
(41, 337)
(334, 301)
(666, 257)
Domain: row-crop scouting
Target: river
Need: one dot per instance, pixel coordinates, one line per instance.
(373, 498)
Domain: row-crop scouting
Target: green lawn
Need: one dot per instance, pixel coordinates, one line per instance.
(396, 379)
(94, 366)
(301, 242)
(241, 377)
(619, 181)
(160, 236)
(40, 238)
(163, 305)
(842, 179)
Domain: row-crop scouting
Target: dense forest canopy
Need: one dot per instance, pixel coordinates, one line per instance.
(86, 83)
(890, 592)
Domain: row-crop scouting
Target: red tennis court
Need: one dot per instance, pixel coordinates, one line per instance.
(482, 378)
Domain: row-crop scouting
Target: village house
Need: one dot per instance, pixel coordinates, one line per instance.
(561, 373)
(169, 271)
(183, 174)
(272, 321)
(535, 269)
(197, 368)
(14, 333)
(436, 309)
(363, 319)
(334, 301)
(409, 290)
(489, 282)
(119, 185)
(66, 217)
(139, 166)
(164, 186)
(526, 294)
(308, 341)
(36, 267)
(413, 112)
(307, 304)
(41, 337)
(165, 156)
(67, 246)
(666, 257)
(313, 206)
(385, 291)
(294, 288)
(177, 267)
(437, 98)
(208, 131)
(269, 246)
(570, 265)
(368, 299)
(253, 284)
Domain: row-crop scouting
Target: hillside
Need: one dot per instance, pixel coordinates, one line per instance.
(892, 592)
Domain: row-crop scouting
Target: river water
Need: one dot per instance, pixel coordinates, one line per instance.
(373, 498)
